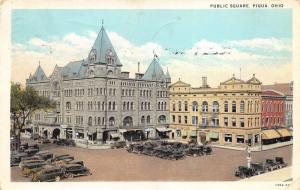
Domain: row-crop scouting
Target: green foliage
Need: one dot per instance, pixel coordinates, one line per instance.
(24, 102)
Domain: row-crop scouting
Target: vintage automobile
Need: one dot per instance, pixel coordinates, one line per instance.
(32, 168)
(23, 164)
(74, 170)
(44, 155)
(118, 144)
(31, 151)
(62, 157)
(258, 168)
(244, 172)
(15, 159)
(35, 157)
(280, 162)
(49, 174)
(271, 165)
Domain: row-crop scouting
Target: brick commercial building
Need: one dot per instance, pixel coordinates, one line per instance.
(272, 109)
(97, 102)
(228, 115)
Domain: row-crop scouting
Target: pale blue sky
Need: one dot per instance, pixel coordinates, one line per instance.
(169, 28)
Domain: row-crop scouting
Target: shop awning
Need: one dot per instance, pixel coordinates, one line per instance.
(193, 133)
(284, 132)
(162, 129)
(213, 135)
(184, 133)
(270, 134)
(114, 135)
(122, 130)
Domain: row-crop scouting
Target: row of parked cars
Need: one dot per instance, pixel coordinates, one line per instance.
(260, 167)
(169, 150)
(44, 166)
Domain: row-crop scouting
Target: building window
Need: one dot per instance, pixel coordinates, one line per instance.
(173, 106)
(185, 119)
(131, 106)
(233, 106)
(215, 107)
(240, 139)
(215, 122)
(68, 106)
(225, 121)
(179, 119)
(228, 138)
(233, 122)
(195, 120)
(242, 122)
(242, 106)
(90, 122)
(256, 138)
(204, 121)
(173, 118)
(179, 106)
(148, 119)
(225, 106)
(143, 119)
(185, 106)
(195, 106)
(204, 106)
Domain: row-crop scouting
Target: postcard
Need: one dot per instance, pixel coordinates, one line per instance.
(149, 94)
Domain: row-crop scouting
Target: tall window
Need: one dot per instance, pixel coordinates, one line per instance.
(185, 119)
(179, 106)
(242, 122)
(204, 121)
(242, 106)
(195, 120)
(215, 107)
(233, 122)
(185, 106)
(173, 118)
(173, 106)
(204, 106)
(179, 119)
(143, 119)
(225, 106)
(195, 106)
(225, 121)
(148, 119)
(233, 106)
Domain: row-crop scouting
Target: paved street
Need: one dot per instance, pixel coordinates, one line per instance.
(119, 165)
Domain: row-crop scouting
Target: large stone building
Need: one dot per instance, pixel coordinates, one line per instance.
(227, 115)
(97, 101)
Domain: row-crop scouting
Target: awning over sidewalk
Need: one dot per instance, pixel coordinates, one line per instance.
(114, 135)
(213, 135)
(193, 133)
(270, 134)
(162, 129)
(284, 132)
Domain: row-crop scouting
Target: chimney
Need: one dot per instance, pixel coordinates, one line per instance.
(204, 82)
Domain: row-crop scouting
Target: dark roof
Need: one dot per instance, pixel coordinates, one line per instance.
(271, 93)
(154, 71)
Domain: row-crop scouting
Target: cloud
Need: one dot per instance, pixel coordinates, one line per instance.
(230, 57)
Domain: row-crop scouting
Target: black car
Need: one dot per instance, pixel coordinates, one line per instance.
(44, 155)
(15, 159)
(62, 157)
(244, 171)
(49, 174)
(258, 168)
(31, 151)
(73, 170)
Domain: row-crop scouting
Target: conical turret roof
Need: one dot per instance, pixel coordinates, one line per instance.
(154, 71)
(39, 74)
(103, 47)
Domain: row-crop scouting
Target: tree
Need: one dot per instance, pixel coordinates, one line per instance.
(23, 102)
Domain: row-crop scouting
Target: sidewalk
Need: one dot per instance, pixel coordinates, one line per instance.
(256, 148)
(282, 175)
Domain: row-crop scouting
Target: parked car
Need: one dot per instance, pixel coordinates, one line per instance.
(271, 165)
(244, 172)
(45, 155)
(15, 159)
(31, 158)
(23, 164)
(49, 174)
(73, 170)
(280, 162)
(62, 157)
(118, 144)
(258, 168)
(32, 168)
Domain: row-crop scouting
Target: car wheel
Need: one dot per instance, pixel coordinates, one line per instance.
(57, 178)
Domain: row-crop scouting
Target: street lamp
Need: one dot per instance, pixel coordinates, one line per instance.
(248, 149)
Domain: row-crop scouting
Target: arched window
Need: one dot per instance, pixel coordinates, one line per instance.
(90, 121)
(215, 108)
(111, 121)
(165, 106)
(99, 120)
(226, 106)
(158, 106)
(242, 106)
(195, 106)
(142, 106)
(143, 119)
(179, 106)
(131, 106)
(127, 105)
(148, 119)
(68, 105)
(185, 106)
(233, 106)
(149, 106)
(114, 106)
(173, 106)
(124, 105)
(204, 106)
(109, 105)
(162, 119)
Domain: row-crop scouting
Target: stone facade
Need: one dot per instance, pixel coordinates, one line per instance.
(227, 115)
(95, 99)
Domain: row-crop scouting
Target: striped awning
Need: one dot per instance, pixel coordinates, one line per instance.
(270, 134)
(284, 132)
